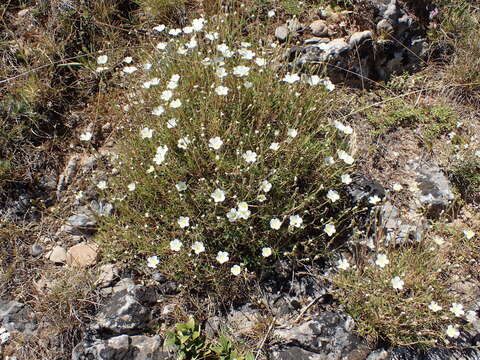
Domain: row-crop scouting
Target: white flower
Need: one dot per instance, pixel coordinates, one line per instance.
(291, 78)
(247, 84)
(146, 133)
(452, 331)
(328, 85)
(292, 133)
(102, 59)
(246, 54)
(129, 69)
(159, 28)
(250, 156)
(222, 47)
(232, 215)
(313, 80)
(183, 143)
(150, 169)
(171, 123)
(329, 229)
(261, 198)
(295, 220)
(174, 32)
(260, 61)
(266, 252)
(397, 187)
(241, 70)
(236, 270)
(86, 136)
(397, 283)
(128, 60)
(161, 46)
(175, 104)
(329, 160)
(147, 66)
(132, 187)
(342, 155)
(176, 245)
(346, 179)
(382, 260)
(374, 199)
(332, 195)
(175, 78)
(438, 240)
(243, 211)
(187, 30)
(271, 13)
(457, 309)
(222, 257)
(434, 306)
(181, 186)
(221, 72)
(221, 90)
(215, 143)
(477, 153)
(153, 261)
(183, 221)
(166, 95)
(172, 85)
(197, 24)
(102, 185)
(101, 68)
(192, 43)
(159, 110)
(265, 186)
(160, 155)
(343, 264)
(147, 84)
(275, 224)
(211, 36)
(198, 247)
(343, 128)
(218, 195)
(274, 146)
(469, 234)
(242, 206)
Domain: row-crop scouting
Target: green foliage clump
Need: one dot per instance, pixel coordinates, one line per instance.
(434, 121)
(466, 177)
(190, 344)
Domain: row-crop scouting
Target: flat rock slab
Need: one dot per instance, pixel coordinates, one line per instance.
(122, 347)
(82, 255)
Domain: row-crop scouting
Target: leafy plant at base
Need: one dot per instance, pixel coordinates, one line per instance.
(188, 341)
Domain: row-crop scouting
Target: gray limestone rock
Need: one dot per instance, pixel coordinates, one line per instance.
(15, 316)
(127, 312)
(434, 189)
(328, 337)
(122, 347)
(36, 250)
(358, 38)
